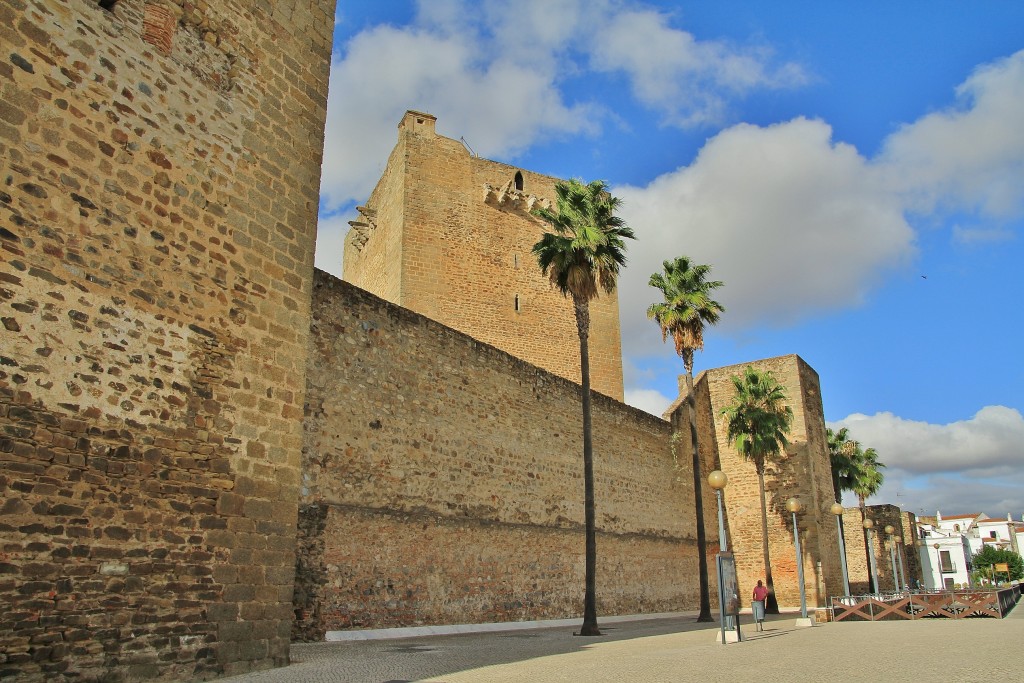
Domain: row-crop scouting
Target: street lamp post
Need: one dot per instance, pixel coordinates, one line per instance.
(717, 480)
(889, 529)
(793, 505)
(901, 570)
(868, 525)
(939, 585)
(837, 510)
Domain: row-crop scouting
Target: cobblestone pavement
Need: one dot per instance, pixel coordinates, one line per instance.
(677, 649)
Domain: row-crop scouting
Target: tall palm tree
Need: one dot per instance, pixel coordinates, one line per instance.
(841, 453)
(687, 307)
(758, 421)
(581, 257)
(865, 481)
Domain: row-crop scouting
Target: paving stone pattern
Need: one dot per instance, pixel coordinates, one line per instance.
(678, 649)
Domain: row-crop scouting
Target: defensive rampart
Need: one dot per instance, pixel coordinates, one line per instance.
(443, 483)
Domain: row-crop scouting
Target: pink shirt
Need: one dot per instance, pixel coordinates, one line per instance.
(760, 593)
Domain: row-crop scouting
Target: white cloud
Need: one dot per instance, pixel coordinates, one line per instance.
(987, 445)
(789, 220)
(330, 244)
(689, 81)
(648, 400)
(968, 157)
(971, 465)
(499, 106)
(495, 76)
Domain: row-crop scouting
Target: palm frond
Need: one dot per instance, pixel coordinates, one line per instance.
(687, 305)
(586, 251)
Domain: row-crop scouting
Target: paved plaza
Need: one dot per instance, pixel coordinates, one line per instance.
(677, 649)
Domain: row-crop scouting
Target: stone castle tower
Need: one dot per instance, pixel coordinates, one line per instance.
(448, 235)
(159, 166)
(804, 473)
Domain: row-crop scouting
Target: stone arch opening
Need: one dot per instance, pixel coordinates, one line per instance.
(519, 181)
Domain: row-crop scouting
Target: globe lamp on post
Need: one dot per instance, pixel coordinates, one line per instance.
(718, 480)
(838, 511)
(726, 565)
(868, 526)
(793, 505)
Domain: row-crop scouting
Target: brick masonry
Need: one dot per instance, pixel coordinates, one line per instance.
(435, 241)
(159, 165)
(444, 483)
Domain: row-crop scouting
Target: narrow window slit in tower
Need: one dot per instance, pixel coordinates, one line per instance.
(517, 303)
(515, 260)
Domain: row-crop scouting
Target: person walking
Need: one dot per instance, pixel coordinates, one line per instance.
(757, 604)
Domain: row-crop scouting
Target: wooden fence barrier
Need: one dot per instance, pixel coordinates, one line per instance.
(994, 603)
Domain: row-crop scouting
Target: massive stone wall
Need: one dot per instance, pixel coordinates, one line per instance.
(158, 197)
(804, 472)
(443, 482)
(433, 239)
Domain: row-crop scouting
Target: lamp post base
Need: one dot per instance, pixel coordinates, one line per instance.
(730, 637)
(804, 622)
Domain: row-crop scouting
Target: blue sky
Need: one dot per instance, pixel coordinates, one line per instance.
(854, 173)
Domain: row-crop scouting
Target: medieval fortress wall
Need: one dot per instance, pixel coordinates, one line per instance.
(444, 485)
(175, 383)
(158, 198)
(448, 235)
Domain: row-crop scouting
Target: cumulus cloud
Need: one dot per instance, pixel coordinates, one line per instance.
(988, 444)
(790, 220)
(648, 400)
(795, 223)
(969, 156)
(689, 81)
(496, 77)
(972, 465)
(501, 106)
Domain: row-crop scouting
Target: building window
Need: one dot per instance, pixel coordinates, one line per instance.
(517, 303)
(949, 583)
(515, 260)
(519, 181)
(945, 562)
(956, 527)
(992, 534)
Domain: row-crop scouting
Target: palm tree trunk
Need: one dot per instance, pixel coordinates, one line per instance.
(771, 605)
(868, 550)
(698, 501)
(589, 627)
